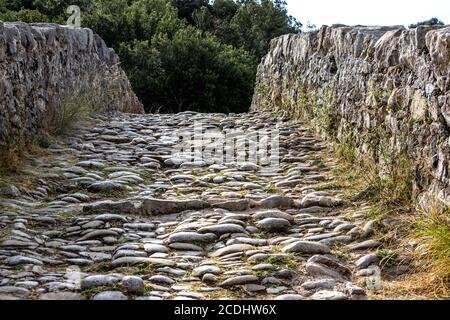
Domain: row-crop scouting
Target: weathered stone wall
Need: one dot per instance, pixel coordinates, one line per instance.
(384, 89)
(44, 65)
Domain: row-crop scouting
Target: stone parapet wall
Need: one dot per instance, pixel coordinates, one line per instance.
(43, 66)
(385, 89)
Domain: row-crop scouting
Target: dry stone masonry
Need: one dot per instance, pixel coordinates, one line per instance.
(385, 89)
(45, 66)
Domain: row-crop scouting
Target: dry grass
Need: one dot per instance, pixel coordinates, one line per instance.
(74, 109)
(4, 232)
(60, 118)
(10, 156)
(390, 196)
(13, 154)
(77, 105)
(415, 287)
(432, 232)
(388, 193)
(424, 238)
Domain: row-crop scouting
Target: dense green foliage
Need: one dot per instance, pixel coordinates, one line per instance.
(179, 54)
(430, 22)
(248, 24)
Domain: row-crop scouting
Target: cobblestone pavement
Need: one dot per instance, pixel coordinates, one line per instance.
(110, 213)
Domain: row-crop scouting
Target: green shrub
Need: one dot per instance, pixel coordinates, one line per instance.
(24, 15)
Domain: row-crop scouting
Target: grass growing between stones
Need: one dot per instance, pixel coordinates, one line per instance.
(12, 155)
(319, 163)
(376, 214)
(387, 189)
(101, 267)
(57, 120)
(111, 194)
(263, 273)
(68, 216)
(73, 110)
(325, 186)
(141, 269)
(5, 232)
(341, 253)
(77, 106)
(385, 256)
(272, 189)
(261, 235)
(285, 261)
(225, 294)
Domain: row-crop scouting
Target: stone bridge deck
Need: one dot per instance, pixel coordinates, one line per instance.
(110, 214)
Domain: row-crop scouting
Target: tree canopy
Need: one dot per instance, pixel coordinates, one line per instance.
(429, 22)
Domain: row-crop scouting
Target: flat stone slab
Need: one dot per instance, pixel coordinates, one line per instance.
(20, 260)
(308, 247)
(369, 244)
(223, 228)
(110, 295)
(317, 269)
(232, 249)
(329, 295)
(273, 224)
(109, 207)
(260, 215)
(277, 202)
(191, 237)
(61, 296)
(290, 297)
(238, 205)
(98, 281)
(239, 280)
(131, 261)
(161, 207)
